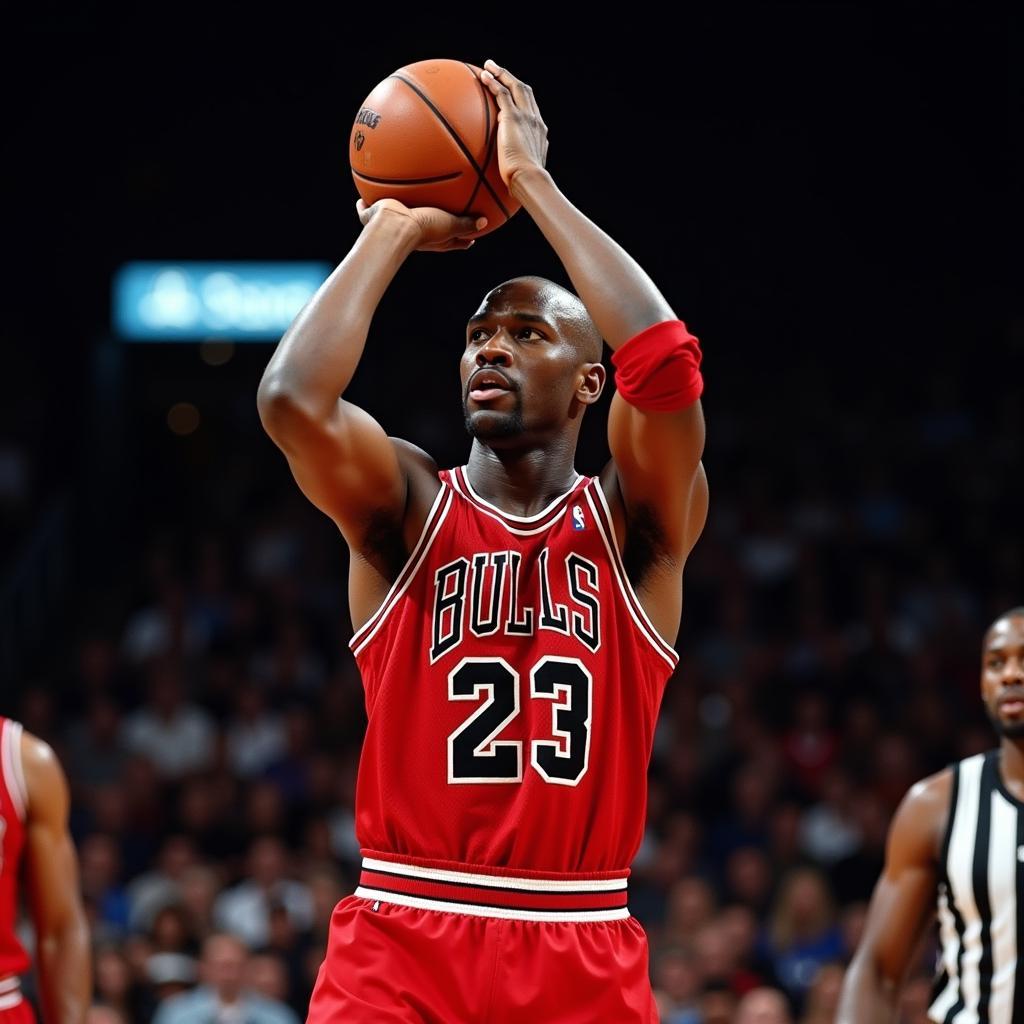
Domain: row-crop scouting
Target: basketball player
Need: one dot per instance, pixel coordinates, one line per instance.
(957, 840)
(514, 620)
(36, 848)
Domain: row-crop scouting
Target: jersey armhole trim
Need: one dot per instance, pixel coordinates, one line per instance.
(947, 834)
(13, 770)
(603, 519)
(436, 516)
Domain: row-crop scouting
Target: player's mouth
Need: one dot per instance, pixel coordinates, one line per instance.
(487, 385)
(1012, 703)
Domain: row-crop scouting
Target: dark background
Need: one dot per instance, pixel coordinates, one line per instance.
(828, 194)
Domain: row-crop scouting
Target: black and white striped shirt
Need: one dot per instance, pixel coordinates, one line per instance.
(981, 873)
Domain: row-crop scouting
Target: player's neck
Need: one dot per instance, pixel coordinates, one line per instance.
(1012, 765)
(520, 483)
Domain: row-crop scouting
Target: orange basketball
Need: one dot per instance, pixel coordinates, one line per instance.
(427, 136)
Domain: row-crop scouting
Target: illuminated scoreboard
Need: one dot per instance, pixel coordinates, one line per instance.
(156, 301)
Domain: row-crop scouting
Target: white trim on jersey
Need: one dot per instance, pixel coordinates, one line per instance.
(628, 595)
(498, 518)
(12, 983)
(959, 868)
(9, 1001)
(496, 881)
(508, 515)
(430, 531)
(617, 561)
(948, 959)
(1002, 863)
(504, 912)
(10, 764)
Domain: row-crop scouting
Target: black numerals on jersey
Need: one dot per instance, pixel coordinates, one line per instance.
(567, 683)
(475, 754)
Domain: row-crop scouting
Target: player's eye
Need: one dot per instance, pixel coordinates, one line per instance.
(523, 334)
(474, 335)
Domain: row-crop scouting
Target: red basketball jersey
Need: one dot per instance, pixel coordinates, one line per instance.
(512, 686)
(13, 804)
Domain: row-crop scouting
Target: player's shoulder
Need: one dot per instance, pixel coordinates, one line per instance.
(932, 792)
(36, 752)
(919, 824)
(45, 781)
(413, 457)
(421, 473)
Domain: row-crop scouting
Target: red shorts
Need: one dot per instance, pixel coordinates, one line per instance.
(510, 953)
(20, 1013)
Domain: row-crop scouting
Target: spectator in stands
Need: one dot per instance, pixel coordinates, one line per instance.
(222, 994)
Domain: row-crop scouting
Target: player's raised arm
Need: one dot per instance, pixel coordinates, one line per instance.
(62, 935)
(655, 427)
(901, 905)
(340, 456)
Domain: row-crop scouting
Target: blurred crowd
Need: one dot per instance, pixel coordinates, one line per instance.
(209, 715)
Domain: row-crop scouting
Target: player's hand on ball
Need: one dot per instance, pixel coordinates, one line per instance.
(440, 231)
(522, 133)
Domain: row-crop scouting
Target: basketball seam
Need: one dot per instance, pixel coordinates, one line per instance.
(487, 133)
(408, 181)
(458, 141)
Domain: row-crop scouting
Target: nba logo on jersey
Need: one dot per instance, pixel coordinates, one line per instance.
(578, 522)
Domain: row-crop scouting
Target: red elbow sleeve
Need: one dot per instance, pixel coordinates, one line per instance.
(658, 370)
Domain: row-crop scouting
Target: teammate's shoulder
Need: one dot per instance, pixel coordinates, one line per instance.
(44, 775)
(36, 752)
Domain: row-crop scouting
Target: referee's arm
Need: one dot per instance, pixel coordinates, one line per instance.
(902, 904)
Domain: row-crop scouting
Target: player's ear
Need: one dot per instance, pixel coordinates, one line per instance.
(591, 382)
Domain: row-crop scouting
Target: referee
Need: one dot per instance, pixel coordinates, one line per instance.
(956, 844)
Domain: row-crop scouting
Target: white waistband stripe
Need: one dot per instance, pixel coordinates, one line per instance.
(553, 885)
(419, 903)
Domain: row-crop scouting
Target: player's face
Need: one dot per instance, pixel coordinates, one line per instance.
(520, 371)
(1002, 675)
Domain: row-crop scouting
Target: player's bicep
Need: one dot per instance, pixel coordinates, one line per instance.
(904, 897)
(657, 464)
(50, 862)
(345, 464)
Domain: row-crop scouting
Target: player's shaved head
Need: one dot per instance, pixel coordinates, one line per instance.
(556, 304)
(999, 624)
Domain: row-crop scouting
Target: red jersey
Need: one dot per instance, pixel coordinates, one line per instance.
(13, 804)
(512, 687)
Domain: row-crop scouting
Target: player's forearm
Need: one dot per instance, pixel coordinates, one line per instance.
(616, 290)
(317, 357)
(65, 974)
(867, 997)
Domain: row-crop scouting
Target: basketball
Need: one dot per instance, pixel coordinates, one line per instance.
(427, 136)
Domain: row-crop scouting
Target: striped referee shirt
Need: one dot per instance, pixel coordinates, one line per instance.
(981, 873)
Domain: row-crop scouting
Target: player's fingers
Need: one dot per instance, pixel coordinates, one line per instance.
(500, 92)
(521, 92)
(467, 225)
(363, 211)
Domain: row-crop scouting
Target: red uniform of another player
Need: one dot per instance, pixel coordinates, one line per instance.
(13, 802)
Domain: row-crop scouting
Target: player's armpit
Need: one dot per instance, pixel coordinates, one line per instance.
(901, 905)
(51, 872)
(658, 469)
